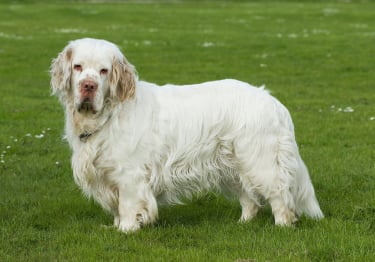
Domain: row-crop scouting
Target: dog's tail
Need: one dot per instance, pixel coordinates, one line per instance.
(304, 194)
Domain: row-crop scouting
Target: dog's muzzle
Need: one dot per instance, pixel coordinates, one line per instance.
(88, 90)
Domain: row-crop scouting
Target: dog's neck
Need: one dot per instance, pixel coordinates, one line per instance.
(85, 126)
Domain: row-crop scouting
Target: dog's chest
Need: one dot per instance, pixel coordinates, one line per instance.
(91, 174)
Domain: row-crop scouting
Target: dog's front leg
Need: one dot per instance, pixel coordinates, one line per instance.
(136, 206)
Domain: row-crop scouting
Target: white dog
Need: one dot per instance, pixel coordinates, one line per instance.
(135, 143)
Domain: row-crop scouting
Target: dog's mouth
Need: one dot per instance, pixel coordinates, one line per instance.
(86, 107)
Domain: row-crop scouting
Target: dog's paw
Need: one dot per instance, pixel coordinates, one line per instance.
(287, 218)
(128, 227)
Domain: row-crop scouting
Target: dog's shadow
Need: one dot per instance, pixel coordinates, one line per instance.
(210, 209)
(197, 211)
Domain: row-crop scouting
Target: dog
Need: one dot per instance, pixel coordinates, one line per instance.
(136, 144)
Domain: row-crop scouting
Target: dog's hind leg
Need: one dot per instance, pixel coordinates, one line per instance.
(283, 214)
(272, 183)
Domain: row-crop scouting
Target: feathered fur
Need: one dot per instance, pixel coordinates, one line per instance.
(135, 143)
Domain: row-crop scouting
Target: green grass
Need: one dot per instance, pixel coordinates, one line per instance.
(316, 57)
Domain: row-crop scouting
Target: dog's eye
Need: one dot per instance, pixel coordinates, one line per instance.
(77, 68)
(104, 71)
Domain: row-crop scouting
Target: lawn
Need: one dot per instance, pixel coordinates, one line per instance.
(316, 57)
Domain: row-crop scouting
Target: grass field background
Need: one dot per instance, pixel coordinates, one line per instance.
(316, 57)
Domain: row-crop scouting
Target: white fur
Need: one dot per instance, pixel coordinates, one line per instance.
(145, 143)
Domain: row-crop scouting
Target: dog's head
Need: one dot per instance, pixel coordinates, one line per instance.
(89, 73)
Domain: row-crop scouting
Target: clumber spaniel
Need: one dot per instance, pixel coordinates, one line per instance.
(136, 144)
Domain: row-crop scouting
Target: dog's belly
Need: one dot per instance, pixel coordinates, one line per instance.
(196, 170)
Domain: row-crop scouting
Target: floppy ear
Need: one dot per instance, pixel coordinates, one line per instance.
(122, 80)
(61, 71)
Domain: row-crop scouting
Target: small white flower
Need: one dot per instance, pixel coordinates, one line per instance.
(263, 56)
(39, 136)
(348, 109)
(8, 147)
(28, 135)
(372, 118)
(147, 42)
(207, 44)
(2, 161)
(57, 163)
(15, 140)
